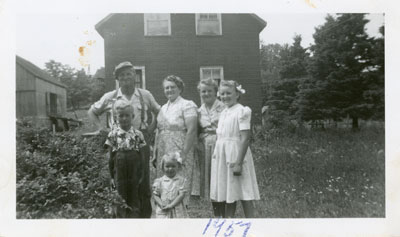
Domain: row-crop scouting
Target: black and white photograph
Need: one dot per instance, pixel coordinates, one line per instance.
(226, 121)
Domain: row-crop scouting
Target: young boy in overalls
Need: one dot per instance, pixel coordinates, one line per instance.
(126, 160)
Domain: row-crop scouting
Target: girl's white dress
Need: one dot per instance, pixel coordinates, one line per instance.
(225, 187)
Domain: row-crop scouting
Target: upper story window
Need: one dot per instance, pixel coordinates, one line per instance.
(157, 24)
(208, 24)
(216, 73)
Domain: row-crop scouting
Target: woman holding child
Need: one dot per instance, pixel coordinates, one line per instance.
(177, 130)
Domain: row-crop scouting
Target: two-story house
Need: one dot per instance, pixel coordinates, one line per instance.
(191, 46)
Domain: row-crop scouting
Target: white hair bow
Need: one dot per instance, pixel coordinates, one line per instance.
(240, 89)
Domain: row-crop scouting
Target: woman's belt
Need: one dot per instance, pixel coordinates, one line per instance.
(204, 134)
(171, 129)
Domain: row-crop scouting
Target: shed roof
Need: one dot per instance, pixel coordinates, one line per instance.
(101, 23)
(37, 72)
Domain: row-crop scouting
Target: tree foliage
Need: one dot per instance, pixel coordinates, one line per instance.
(82, 89)
(341, 58)
(291, 68)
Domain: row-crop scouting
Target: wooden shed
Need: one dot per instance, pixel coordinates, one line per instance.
(38, 95)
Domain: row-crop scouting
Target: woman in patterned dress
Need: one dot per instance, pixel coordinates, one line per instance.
(209, 113)
(176, 129)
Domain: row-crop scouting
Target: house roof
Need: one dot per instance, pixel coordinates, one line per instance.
(263, 23)
(101, 23)
(37, 72)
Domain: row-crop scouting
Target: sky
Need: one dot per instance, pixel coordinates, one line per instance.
(63, 37)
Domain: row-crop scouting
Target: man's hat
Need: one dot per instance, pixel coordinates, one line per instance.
(121, 66)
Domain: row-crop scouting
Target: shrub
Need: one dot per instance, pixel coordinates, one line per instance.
(61, 175)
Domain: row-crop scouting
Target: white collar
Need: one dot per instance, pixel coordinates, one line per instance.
(175, 101)
(120, 94)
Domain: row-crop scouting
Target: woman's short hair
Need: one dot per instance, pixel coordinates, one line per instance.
(173, 156)
(208, 82)
(177, 80)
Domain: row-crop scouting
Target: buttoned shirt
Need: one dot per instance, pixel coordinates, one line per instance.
(208, 118)
(121, 140)
(107, 101)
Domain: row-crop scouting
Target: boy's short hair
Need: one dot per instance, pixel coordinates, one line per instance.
(122, 105)
(175, 156)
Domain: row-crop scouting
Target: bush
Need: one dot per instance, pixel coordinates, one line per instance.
(61, 175)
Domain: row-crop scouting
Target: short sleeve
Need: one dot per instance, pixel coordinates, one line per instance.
(141, 142)
(183, 186)
(111, 141)
(157, 187)
(244, 118)
(189, 109)
(101, 105)
(154, 106)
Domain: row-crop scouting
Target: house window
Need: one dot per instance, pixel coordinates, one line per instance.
(140, 77)
(157, 24)
(208, 24)
(216, 73)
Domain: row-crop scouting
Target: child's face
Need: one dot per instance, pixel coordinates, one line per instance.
(170, 168)
(229, 95)
(125, 118)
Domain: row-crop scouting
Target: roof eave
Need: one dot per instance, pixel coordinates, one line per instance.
(261, 21)
(99, 26)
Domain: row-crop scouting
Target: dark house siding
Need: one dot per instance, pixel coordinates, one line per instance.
(183, 52)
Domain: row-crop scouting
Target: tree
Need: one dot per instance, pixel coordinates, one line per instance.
(340, 56)
(292, 69)
(270, 64)
(60, 71)
(77, 82)
(98, 84)
(375, 75)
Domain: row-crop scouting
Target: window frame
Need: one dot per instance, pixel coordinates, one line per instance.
(219, 17)
(221, 68)
(145, 16)
(143, 69)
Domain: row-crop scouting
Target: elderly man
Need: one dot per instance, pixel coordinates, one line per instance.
(142, 102)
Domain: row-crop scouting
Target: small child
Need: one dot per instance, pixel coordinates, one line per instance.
(169, 190)
(126, 160)
(233, 176)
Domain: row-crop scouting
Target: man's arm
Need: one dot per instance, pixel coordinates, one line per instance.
(96, 110)
(154, 108)
(95, 119)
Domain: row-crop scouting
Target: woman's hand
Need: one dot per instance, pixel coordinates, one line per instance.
(112, 183)
(237, 169)
(166, 207)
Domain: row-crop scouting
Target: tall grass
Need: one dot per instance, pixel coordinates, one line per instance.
(331, 173)
(317, 174)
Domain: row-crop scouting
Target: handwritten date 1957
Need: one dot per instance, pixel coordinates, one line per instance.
(218, 225)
